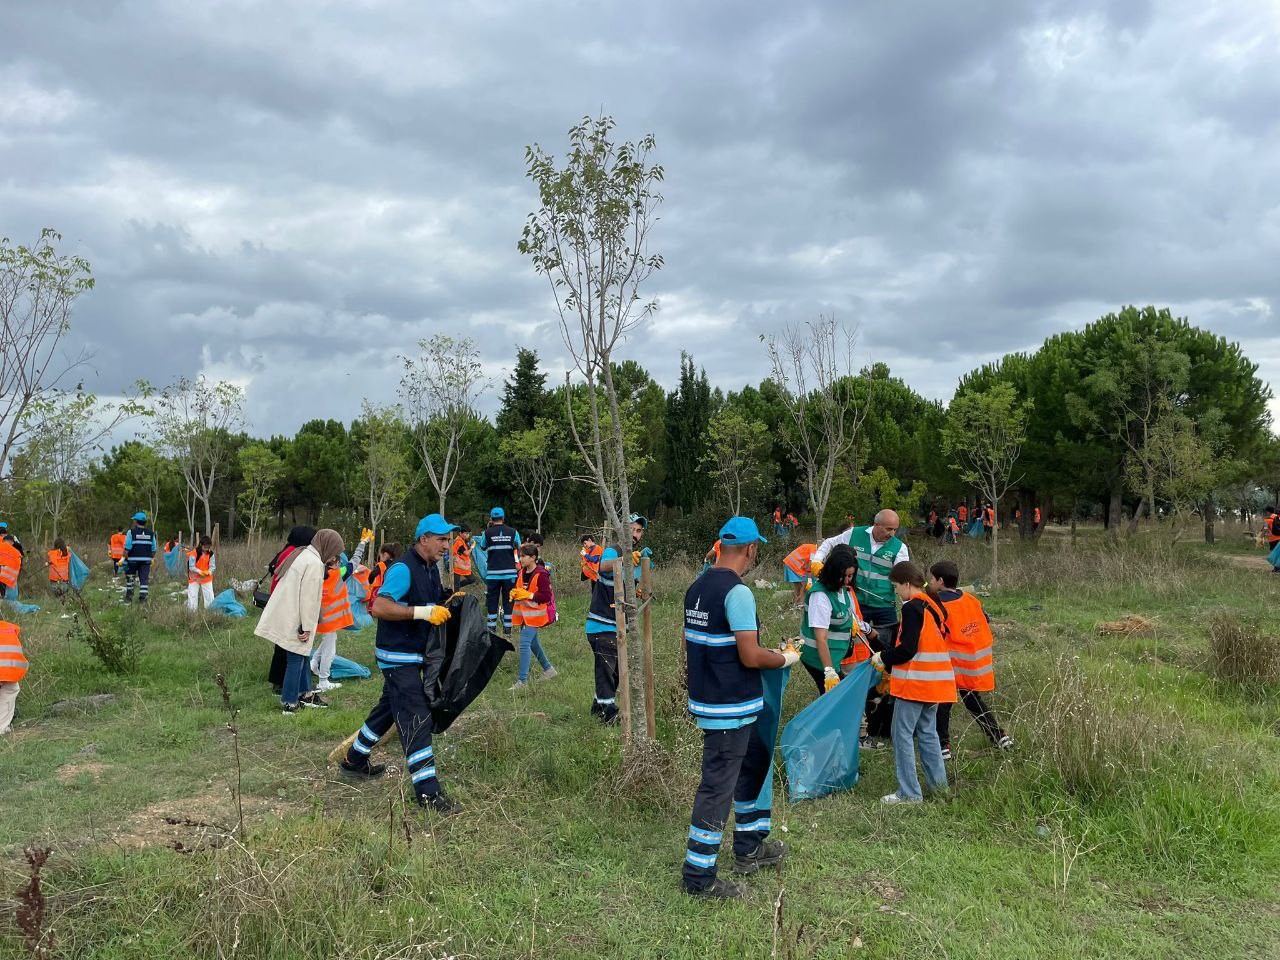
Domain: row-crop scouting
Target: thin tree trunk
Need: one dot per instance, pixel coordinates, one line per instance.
(1210, 517)
(995, 544)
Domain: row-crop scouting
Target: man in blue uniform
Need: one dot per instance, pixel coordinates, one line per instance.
(410, 601)
(139, 549)
(602, 637)
(500, 543)
(722, 647)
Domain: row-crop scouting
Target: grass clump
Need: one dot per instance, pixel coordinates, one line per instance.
(1242, 652)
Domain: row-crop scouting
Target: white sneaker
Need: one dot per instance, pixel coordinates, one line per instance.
(1006, 743)
(550, 673)
(327, 685)
(895, 798)
(518, 686)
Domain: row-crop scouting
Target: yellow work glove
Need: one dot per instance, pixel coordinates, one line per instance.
(635, 557)
(815, 568)
(518, 594)
(439, 615)
(829, 679)
(366, 535)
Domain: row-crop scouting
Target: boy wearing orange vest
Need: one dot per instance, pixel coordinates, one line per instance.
(10, 566)
(13, 667)
(59, 564)
(920, 679)
(335, 615)
(969, 639)
(201, 565)
(460, 556)
(796, 569)
(116, 549)
(531, 611)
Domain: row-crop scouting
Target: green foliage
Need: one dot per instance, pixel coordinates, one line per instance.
(261, 471)
(690, 436)
(318, 465)
(737, 460)
(875, 491)
(524, 395)
(117, 642)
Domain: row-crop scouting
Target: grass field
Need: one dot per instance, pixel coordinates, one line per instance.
(1139, 816)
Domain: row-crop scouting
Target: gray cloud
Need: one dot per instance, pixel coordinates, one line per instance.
(295, 192)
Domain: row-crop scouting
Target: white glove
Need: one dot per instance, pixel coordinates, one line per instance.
(424, 612)
(877, 661)
(829, 678)
(865, 628)
(790, 657)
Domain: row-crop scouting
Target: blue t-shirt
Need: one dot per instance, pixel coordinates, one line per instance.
(740, 609)
(595, 626)
(395, 583)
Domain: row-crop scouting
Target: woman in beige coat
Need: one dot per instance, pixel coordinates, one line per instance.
(290, 616)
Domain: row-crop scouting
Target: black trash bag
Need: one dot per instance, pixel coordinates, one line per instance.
(471, 657)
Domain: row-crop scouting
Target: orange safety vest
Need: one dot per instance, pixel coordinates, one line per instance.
(1035, 517)
(335, 604)
(13, 662)
(927, 677)
(461, 557)
(591, 562)
(1273, 530)
(777, 516)
(988, 517)
(963, 513)
(715, 552)
(117, 546)
(933, 517)
(798, 560)
(10, 564)
(373, 582)
(201, 573)
(969, 639)
(955, 524)
(791, 519)
(526, 612)
(59, 567)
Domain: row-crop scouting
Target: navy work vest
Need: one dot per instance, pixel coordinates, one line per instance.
(721, 687)
(142, 546)
(601, 615)
(404, 642)
(500, 551)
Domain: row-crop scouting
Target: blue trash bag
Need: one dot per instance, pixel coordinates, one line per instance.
(775, 684)
(11, 598)
(227, 604)
(1274, 558)
(173, 560)
(79, 572)
(820, 744)
(344, 669)
(975, 529)
(479, 561)
(356, 595)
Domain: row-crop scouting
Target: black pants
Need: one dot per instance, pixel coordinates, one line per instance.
(820, 676)
(879, 713)
(974, 703)
(734, 765)
(138, 571)
(498, 592)
(279, 660)
(404, 703)
(604, 647)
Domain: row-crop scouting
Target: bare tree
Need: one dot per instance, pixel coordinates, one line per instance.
(531, 455)
(737, 456)
(440, 389)
(590, 239)
(261, 470)
(195, 421)
(813, 370)
(387, 473)
(38, 288)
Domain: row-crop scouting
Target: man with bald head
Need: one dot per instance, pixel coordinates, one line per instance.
(877, 548)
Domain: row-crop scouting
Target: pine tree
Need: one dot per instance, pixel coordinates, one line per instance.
(524, 395)
(689, 412)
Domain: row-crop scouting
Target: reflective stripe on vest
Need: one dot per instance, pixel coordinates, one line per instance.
(59, 567)
(13, 662)
(117, 546)
(201, 572)
(874, 564)
(335, 605)
(461, 558)
(526, 612)
(928, 676)
(969, 639)
(798, 560)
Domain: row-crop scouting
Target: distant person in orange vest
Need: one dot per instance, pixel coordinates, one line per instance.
(590, 556)
(988, 522)
(920, 678)
(792, 523)
(59, 564)
(13, 667)
(712, 556)
(951, 529)
(795, 569)
(963, 513)
(460, 552)
(1035, 519)
(1271, 528)
(10, 567)
(969, 640)
(387, 555)
(335, 615)
(532, 599)
(116, 550)
(201, 566)
(779, 525)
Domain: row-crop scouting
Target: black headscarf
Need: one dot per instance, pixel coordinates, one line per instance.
(298, 537)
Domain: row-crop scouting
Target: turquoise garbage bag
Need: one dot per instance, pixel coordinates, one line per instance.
(1274, 558)
(820, 744)
(975, 529)
(79, 572)
(775, 684)
(227, 604)
(11, 598)
(344, 669)
(356, 594)
(479, 561)
(174, 560)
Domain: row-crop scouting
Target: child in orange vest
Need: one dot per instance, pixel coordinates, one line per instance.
(796, 569)
(920, 678)
(969, 640)
(13, 667)
(201, 565)
(335, 615)
(531, 610)
(59, 564)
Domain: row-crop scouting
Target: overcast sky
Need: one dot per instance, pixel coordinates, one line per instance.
(290, 193)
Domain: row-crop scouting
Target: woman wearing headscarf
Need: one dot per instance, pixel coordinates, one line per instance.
(299, 537)
(291, 615)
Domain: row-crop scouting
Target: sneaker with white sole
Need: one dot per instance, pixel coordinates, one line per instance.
(550, 673)
(325, 685)
(946, 751)
(895, 798)
(870, 743)
(1005, 743)
(518, 686)
(314, 701)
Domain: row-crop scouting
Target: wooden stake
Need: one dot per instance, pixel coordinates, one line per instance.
(646, 625)
(624, 674)
(217, 536)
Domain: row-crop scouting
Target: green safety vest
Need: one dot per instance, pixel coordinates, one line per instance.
(872, 582)
(839, 634)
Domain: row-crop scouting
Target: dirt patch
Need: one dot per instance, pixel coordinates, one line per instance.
(1247, 563)
(880, 887)
(70, 773)
(193, 823)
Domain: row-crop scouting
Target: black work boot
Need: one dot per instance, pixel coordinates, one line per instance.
(368, 771)
(768, 854)
(719, 890)
(440, 804)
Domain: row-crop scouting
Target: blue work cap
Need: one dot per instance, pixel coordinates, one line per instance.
(497, 513)
(3, 525)
(433, 523)
(739, 531)
(140, 517)
(636, 518)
